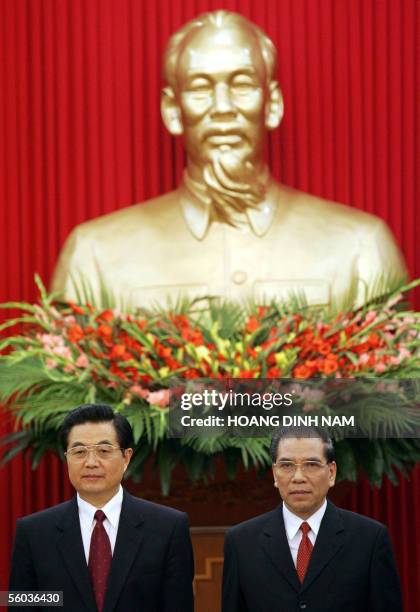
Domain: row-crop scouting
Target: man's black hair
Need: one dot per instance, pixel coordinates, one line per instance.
(97, 413)
(302, 432)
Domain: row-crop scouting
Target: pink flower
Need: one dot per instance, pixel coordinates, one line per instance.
(394, 360)
(364, 358)
(82, 361)
(50, 341)
(70, 319)
(371, 316)
(159, 398)
(62, 351)
(404, 353)
(390, 303)
(50, 363)
(138, 390)
(409, 320)
(379, 368)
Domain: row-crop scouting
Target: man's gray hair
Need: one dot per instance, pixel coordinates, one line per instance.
(216, 19)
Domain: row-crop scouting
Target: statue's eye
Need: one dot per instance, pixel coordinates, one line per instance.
(243, 83)
(200, 85)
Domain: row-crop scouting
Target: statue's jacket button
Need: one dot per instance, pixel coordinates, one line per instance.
(239, 277)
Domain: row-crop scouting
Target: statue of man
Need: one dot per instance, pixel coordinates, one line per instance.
(230, 229)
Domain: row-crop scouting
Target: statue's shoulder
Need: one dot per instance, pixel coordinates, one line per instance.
(162, 207)
(315, 209)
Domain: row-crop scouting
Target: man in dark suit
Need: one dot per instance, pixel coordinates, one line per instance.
(307, 554)
(105, 549)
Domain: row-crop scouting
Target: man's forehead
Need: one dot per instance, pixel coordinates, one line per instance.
(210, 49)
(92, 431)
(299, 446)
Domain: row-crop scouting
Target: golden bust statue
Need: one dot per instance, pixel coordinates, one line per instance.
(229, 229)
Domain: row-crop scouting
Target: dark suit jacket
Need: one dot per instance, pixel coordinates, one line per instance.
(152, 565)
(351, 569)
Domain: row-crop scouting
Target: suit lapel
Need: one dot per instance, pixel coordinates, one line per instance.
(329, 540)
(275, 544)
(127, 545)
(70, 547)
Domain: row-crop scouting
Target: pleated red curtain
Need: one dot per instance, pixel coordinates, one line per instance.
(81, 135)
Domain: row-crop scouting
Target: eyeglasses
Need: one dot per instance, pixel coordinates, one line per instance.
(308, 467)
(101, 451)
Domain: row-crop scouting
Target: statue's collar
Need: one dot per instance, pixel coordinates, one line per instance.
(196, 207)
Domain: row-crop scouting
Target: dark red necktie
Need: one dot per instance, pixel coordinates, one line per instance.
(304, 552)
(100, 557)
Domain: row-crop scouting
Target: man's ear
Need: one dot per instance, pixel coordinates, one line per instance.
(275, 106)
(170, 112)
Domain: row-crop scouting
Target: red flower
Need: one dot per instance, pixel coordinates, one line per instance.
(163, 352)
(247, 374)
(252, 352)
(192, 335)
(273, 373)
(191, 373)
(114, 369)
(173, 364)
(76, 309)
(106, 315)
(75, 333)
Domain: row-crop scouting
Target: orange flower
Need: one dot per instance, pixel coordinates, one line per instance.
(273, 373)
(301, 371)
(328, 366)
(373, 340)
(104, 331)
(119, 352)
(252, 324)
(324, 348)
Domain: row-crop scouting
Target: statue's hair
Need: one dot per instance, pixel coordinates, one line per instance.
(216, 19)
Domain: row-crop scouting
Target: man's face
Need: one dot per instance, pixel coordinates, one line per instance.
(303, 492)
(222, 95)
(96, 478)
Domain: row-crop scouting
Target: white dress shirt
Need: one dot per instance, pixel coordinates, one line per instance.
(292, 525)
(112, 511)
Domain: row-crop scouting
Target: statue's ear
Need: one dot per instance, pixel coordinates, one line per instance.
(275, 107)
(170, 110)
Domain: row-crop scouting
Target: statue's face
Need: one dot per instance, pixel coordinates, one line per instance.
(222, 95)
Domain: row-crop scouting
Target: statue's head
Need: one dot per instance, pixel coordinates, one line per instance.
(221, 93)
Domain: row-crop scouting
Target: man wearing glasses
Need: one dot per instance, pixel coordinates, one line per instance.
(105, 549)
(307, 554)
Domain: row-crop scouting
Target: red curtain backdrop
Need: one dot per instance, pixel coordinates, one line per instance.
(81, 135)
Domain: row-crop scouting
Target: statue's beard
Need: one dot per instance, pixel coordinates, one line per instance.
(233, 186)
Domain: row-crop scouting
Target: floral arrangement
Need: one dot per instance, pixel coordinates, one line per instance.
(65, 354)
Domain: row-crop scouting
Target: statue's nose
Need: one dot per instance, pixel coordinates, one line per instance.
(222, 103)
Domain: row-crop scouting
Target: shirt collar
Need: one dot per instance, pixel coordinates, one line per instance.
(292, 522)
(112, 509)
(196, 208)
